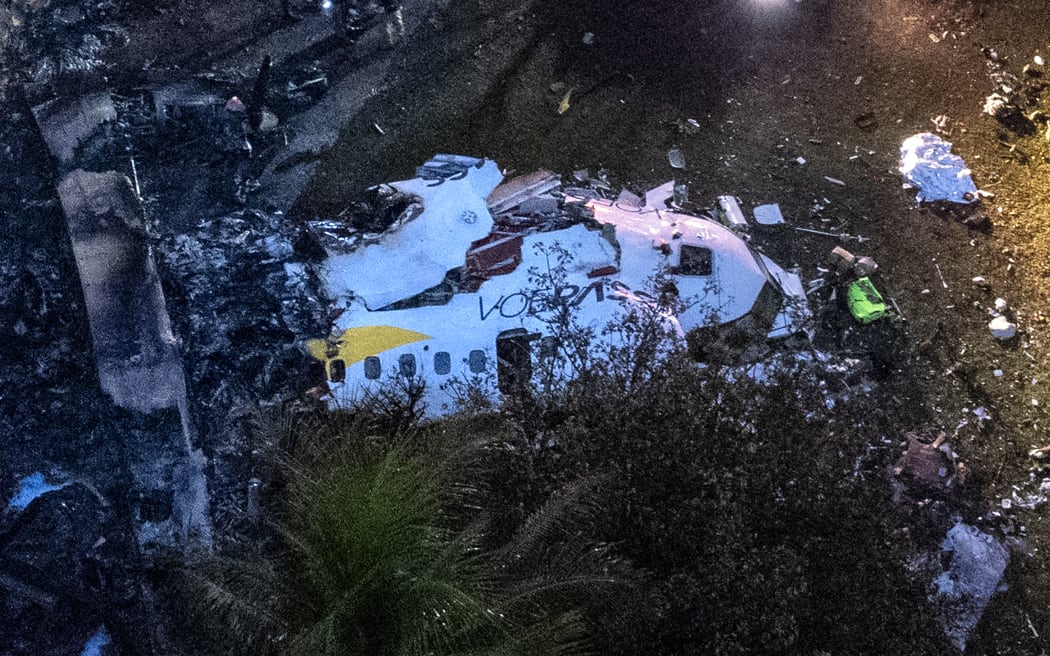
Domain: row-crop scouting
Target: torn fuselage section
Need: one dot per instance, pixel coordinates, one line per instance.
(475, 271)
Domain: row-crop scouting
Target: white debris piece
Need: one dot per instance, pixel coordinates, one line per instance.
(731, 213)
(977, 567)
(1000, 305)
(676, 158)
(1029, 498)
(996, 105)
(1002, 328)
(30, 488)
(95, 644)
(928, 163)
(768, 215)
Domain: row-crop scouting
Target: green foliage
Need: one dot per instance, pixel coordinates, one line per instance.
(764, 523)
(387, 545)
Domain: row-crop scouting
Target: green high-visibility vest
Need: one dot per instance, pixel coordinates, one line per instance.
(865, 302)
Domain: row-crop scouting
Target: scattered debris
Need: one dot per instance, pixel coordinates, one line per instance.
(835, 181)
(1032, 494)
(1040, 453)
(680, 196)
(927, 463)
(97, 643)
(847, 265)
(516, 190)
(688, 126)
(860, 239)
(768, 215)
(30, 488)
(563, 106)
(1004, 110)
(998, 106)
(944, 283)
(927, 163)
(588, 38)
(978, 562)
(897, 308)
(676, 158)
(730, 214)
(1002, 328)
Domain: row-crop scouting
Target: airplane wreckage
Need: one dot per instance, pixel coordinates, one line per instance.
(452, 276)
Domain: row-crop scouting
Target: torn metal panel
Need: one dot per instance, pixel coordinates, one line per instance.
(495, 255)
(416, 255)
(170, 100)
(135, 350)
(68, 125)
(515, 191)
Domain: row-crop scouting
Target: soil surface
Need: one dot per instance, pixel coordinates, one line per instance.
(767, 100)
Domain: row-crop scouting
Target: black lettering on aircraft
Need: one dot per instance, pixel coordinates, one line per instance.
(536, 301)
(516, 308)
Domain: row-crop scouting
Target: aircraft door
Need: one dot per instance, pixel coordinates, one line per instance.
(514, 360)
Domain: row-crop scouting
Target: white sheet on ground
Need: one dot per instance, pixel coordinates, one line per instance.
(928, 163)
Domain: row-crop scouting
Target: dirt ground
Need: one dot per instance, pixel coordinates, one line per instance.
(768, 83)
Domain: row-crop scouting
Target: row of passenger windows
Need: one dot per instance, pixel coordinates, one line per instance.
(406, 365)
(476, 361)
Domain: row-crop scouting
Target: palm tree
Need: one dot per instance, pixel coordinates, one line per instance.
(386, 546)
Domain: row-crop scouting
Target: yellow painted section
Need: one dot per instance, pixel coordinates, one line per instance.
(356, 344)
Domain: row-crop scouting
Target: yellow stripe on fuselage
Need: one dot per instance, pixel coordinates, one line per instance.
(356, 344)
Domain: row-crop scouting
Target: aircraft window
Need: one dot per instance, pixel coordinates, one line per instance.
(695, 261)
(442, 363)
(373, 369)
(476, 361)
(407, 364)
(337, 371)
(548, 347)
